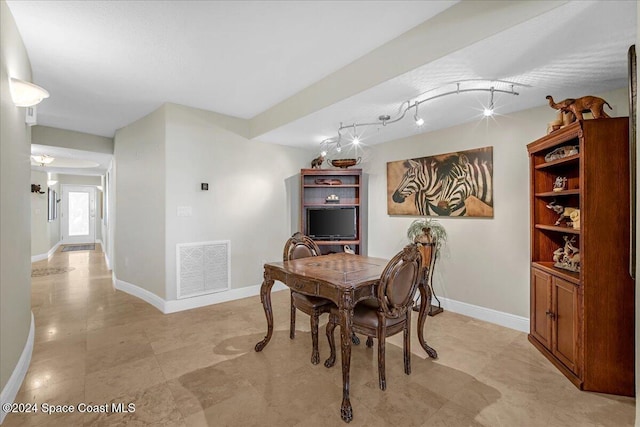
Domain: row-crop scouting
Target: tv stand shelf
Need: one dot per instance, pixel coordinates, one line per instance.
(316, 185)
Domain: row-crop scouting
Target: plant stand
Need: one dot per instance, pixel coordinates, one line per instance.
(429, 256)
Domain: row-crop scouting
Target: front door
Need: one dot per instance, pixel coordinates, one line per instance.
(78, 216)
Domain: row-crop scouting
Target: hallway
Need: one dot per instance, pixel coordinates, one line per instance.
(97, 346)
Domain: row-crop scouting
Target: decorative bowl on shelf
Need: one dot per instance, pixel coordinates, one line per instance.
(345, 163)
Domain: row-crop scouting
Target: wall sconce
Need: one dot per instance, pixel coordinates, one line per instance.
(43, 159)
(26, 94)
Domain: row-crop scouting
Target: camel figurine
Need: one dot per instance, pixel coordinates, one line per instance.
(581, 105)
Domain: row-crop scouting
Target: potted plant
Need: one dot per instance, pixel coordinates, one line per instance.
(426, 230)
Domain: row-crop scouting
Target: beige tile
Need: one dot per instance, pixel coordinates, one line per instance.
(116, 354)
(94, 344)
(53, 370)
(124, 379)
(154, 406)
(202, 388)
(68, 393)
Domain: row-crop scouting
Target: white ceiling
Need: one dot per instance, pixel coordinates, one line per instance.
(69, 161)
(108, 63)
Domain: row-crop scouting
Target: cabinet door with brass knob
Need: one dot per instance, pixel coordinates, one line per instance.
(541, 306)
(565, 325)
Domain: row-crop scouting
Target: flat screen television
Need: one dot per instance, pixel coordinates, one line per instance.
(332, 223)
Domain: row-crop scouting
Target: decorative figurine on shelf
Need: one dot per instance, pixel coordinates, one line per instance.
(581, 105)
(564, 118)
(575, 219)
(560, 184)
(565, 213)
(348, 250)
(332, 198)
(317, 162)
(562, 152)
(567, 258)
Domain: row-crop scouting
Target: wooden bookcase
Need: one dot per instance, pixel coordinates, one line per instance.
(583, 322)
(314, 193)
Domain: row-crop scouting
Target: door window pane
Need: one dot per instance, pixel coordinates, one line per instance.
(78, 213)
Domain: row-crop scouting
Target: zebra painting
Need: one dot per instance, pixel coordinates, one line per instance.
(462, 179)
(453, 184)
(420, 179)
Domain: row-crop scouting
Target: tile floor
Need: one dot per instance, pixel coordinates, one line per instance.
(97, 346)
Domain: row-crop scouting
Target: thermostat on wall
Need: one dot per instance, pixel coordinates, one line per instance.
(204, 186)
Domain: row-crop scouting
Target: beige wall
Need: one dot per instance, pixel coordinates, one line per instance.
(45, 234)
(161, 161)
(486, 261)
(249, 201)
(44, 135)
(139, 238)
(15, 202)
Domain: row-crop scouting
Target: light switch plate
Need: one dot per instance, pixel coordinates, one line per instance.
(185, 211)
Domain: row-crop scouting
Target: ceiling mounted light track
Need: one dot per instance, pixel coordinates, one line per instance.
(334, 144)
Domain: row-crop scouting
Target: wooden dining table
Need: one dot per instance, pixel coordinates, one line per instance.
(345, 279)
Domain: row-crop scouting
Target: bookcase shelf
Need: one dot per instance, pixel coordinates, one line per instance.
(583, 322)
(314, 195)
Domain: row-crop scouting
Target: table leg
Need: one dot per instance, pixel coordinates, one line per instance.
(265, 298)
(425, 303)
(346, 324)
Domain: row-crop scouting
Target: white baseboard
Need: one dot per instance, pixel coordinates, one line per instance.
(10, 390)
(204, 300)
(141, 293)
(48, 255)
(507, 320)
(501, 318)
(173, 306)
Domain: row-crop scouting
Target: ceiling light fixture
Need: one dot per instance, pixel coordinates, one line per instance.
(356, 140)
(488, 111)
(26, 94)
(43, 159)
(332, 144)
(419, 120)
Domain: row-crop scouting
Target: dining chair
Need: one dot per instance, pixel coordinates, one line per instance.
(301, 246)
(389, 313)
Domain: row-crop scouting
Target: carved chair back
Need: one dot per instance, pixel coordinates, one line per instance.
(399, 282)
(299, 246)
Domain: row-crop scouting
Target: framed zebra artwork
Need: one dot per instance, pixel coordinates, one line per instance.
(452, 184)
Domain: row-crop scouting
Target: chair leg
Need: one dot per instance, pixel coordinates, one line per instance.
(331, 326)
(315, 354)
(292, 326)
(382, 338)
(407, 350)
(369, 342)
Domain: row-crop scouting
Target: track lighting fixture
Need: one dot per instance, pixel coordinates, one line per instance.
(355, 140)
(488, 111)
(333, 144)
(419, 120)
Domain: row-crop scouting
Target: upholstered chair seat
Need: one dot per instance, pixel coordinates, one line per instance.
(389, 313)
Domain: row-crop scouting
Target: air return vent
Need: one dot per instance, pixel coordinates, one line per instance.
(203, 268)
